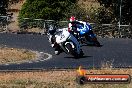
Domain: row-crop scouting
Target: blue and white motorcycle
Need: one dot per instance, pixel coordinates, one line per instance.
(85, 34)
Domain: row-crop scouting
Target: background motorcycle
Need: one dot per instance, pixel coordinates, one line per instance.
(68, 43)
(85, 35)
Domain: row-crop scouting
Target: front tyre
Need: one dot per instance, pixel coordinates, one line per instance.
(71, 51)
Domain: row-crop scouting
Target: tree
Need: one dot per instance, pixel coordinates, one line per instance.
(46, 9)
(114, 6)
(3, 7)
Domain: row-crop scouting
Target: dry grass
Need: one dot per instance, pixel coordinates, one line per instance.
(55, 79)
(36, 30)
(13, 55)
(89, 4)
(50, 79)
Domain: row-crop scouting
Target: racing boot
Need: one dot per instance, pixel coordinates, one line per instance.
(58, 50)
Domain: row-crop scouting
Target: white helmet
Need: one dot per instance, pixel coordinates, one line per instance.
(51, 30)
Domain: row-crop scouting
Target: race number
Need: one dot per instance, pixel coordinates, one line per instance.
(62, 36)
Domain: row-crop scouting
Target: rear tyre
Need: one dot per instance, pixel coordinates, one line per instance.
(97, 44)
(93, 40)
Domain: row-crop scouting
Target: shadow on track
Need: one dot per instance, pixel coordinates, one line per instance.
(91, 45)
(77, 58)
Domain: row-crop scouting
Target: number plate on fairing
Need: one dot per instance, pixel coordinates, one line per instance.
(62, 37)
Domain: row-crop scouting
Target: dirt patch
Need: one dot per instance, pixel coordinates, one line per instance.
(14, 55)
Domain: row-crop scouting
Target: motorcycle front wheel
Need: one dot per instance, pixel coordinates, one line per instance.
(71, 51)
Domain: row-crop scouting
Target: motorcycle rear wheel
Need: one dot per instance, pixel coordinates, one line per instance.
(97, 44)
(93, 40)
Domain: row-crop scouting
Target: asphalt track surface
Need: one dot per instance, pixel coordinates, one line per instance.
(115, 51)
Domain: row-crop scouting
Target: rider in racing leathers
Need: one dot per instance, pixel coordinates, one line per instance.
(72, 26)
(52, 39)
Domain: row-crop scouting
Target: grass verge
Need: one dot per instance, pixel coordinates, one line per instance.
(56, 79)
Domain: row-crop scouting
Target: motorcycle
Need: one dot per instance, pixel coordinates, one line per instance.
(85, 35)
(67, 43)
